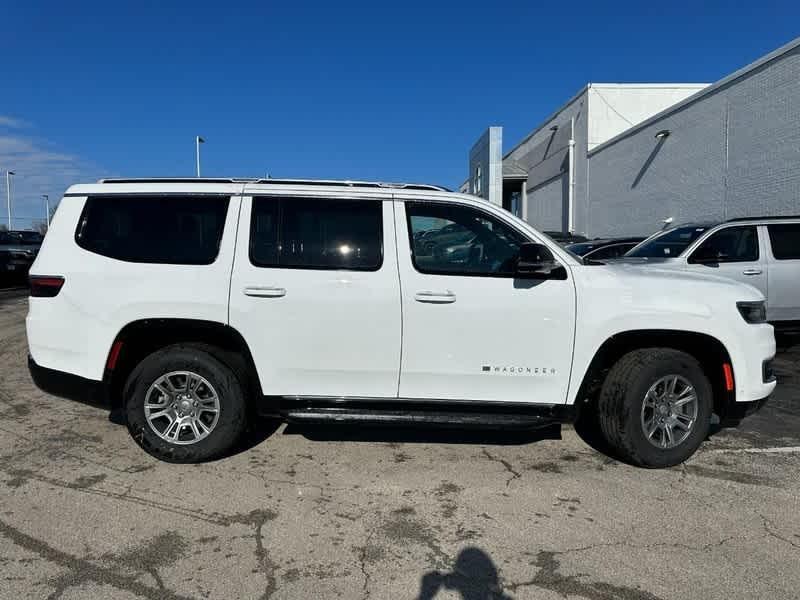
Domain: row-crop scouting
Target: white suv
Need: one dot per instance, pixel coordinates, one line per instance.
(194, 304)
(761, 251)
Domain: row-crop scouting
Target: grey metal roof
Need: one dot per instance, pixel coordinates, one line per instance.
(513, 169)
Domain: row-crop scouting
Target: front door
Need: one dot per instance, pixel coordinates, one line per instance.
(315, 293)
(471, 330)
(733, 252)
(783, 303)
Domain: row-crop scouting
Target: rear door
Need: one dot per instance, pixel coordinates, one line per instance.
(783, 266)
(315, 293)
(733, 252)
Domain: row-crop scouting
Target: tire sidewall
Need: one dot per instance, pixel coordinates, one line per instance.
(232, 414)
(650, 455)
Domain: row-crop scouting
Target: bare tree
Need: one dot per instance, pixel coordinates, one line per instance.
(3, 227)
(40, 226)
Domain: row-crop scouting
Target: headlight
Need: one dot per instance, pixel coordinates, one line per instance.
(753, 312)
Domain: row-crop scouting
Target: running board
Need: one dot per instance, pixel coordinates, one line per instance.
(417, 418)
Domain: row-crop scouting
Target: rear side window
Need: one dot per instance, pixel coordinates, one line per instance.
(182, 230)
(311, 233)
(785, 241)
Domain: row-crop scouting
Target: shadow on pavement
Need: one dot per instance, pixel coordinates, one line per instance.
(424, 435)
(260, 429)
(474, 576)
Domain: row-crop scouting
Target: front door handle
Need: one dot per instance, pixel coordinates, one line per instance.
(752, 272)
(446, 297)
(264, 292)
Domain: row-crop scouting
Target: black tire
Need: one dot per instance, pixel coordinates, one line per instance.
(232, 419)
(622, 396)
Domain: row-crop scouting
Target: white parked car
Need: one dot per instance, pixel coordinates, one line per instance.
(194, 304)
(761, 251)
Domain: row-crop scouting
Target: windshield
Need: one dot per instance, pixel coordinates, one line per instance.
(668, 244)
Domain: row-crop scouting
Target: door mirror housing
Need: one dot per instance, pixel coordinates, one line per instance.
(537, 262)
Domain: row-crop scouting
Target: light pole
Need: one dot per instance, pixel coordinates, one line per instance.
(47, 208)
(8, 196)
(197, 141)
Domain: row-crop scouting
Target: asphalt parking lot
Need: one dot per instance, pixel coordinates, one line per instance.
(344, 513)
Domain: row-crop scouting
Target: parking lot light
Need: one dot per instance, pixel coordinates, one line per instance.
(8, 196)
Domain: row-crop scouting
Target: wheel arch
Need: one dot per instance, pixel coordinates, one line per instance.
(710, 352)
(138, 339)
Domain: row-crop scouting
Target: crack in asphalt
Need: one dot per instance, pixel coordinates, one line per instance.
(767, 525)
(703, 548)
(82, 570)
(550, 578)
(506, 465)
(362, 559)
(257, 519)
(190, 513)
(38, 444)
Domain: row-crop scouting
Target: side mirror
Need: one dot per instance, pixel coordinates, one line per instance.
(537, 262)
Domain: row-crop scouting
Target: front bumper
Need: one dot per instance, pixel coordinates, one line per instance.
(67, 385)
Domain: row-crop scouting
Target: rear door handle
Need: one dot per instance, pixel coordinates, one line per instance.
(752, 272)
(264, 292)
(446, 297)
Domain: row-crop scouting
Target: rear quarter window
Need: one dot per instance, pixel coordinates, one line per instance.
(785, 240)
(185, 230)
(309, 233)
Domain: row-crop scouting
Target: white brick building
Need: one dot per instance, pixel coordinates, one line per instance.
(644, 153)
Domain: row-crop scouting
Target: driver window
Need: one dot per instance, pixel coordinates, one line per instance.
(459, 240)
(733, 244)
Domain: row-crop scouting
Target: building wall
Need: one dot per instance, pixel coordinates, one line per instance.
(544, 155)
(615, 107)
(600, 112)
(733, 152)
(548, 204)
(487, 153)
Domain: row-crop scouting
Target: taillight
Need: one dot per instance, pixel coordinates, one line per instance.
(45, 286)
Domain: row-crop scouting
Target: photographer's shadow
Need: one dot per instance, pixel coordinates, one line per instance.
(474, 576)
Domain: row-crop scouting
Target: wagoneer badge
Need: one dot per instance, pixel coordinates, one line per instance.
(517, 370)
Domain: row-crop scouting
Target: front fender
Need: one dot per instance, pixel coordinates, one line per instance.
(612, 302)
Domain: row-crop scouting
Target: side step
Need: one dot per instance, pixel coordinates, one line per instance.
(466, 420)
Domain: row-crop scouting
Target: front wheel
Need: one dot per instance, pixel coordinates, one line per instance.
(183, 405)
(655, 407)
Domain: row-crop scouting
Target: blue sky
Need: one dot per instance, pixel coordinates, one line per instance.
(374, 90)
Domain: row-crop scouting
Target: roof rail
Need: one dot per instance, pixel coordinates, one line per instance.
(765, 218)
(176, 180)
(320, 182)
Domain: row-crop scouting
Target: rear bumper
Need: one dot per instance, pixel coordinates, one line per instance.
(67, 385)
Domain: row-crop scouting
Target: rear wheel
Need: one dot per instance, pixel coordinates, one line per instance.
(655, 407)
(184, 405)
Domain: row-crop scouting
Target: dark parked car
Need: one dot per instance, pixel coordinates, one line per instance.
(18, 249)
(566, 238)
(604, 249)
